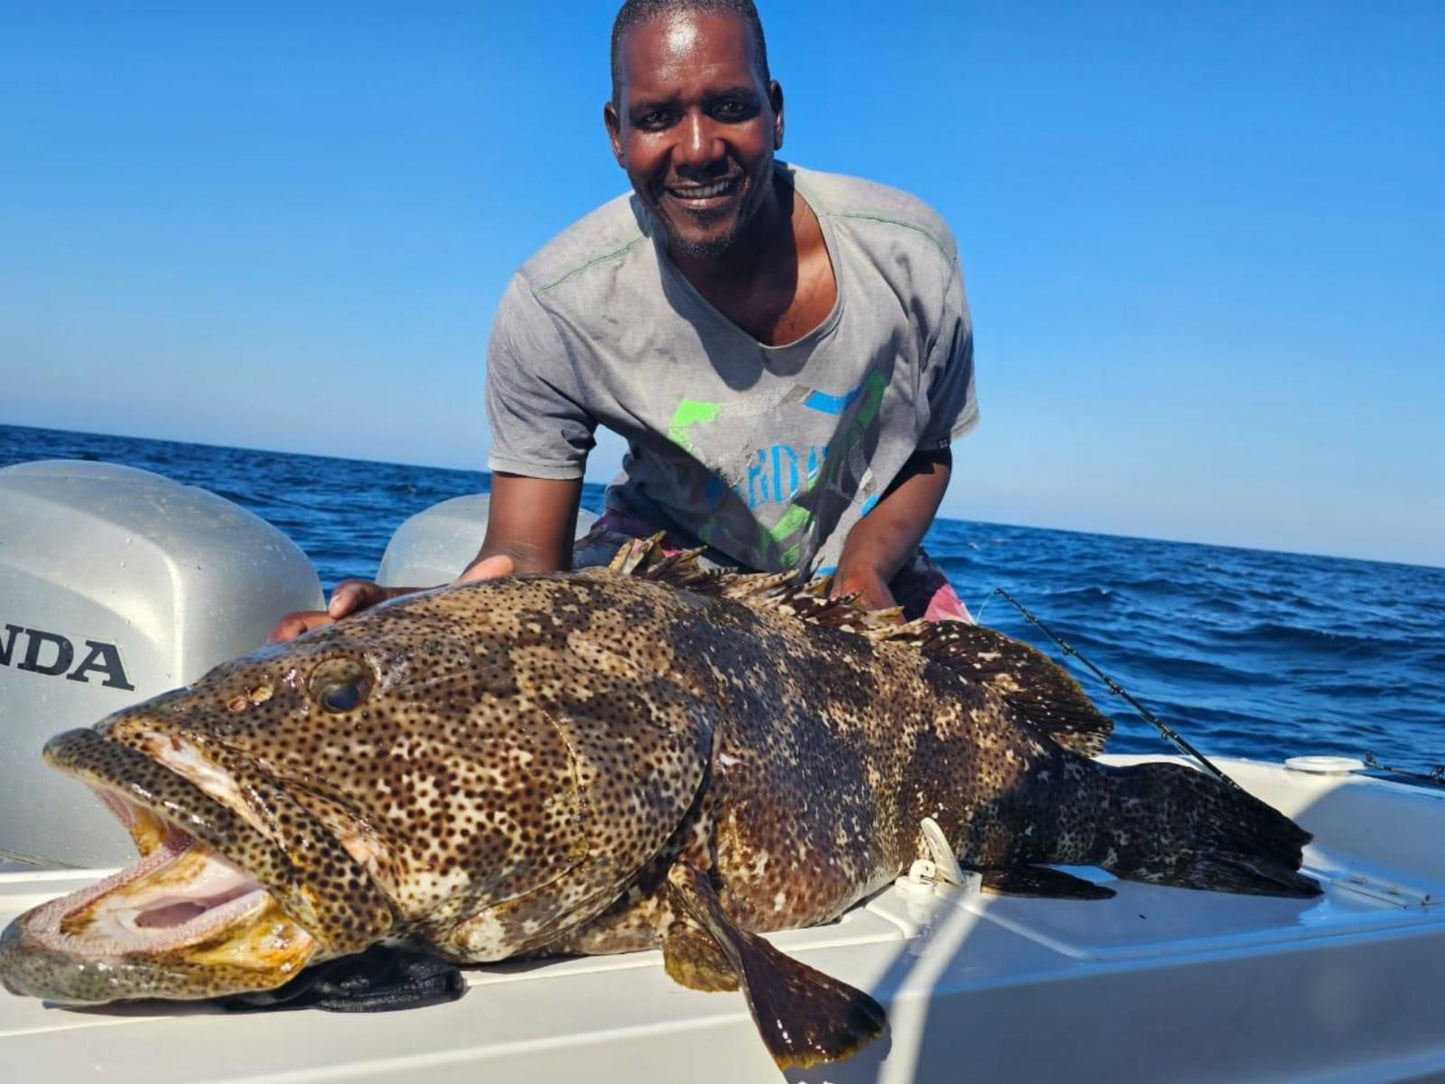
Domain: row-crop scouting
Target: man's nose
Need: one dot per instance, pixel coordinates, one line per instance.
(700, 145)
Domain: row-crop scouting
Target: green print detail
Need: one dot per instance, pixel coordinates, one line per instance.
(796, 520)
(872, 399)
(793, 519)
(689, 412)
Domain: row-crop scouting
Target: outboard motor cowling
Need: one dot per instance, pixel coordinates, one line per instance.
(436, 544)
(115, 585)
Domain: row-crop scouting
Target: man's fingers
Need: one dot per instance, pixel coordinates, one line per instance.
(349, 597)
(488, 568)
(873, 593)
(294, 624)
(353, 595)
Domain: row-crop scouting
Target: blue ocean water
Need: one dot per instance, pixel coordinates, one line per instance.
(1245, 652)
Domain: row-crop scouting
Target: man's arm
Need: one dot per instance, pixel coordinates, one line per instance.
(883, 541)
(530, 527)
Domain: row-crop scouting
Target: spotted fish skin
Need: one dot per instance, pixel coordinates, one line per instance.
(522, 766)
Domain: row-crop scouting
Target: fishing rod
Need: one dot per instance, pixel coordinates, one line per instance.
(1165, 730)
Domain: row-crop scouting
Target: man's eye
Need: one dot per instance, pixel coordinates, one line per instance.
(654, 120)
(732, 110)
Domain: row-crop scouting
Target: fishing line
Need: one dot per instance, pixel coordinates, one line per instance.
(1165, 730)
(1436, 776)
(38, 861)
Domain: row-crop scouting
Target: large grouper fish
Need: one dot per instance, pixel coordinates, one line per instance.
(601, 761)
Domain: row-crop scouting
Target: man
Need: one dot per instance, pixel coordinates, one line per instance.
(787, 353)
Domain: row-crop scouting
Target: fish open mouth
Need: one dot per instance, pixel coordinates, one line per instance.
(184, 922)
(181, 895)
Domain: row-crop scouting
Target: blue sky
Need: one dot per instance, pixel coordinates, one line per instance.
(1203, 240)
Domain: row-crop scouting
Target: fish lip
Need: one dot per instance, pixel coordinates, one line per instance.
(111, 957)
(136, 779)
(142, 781)
(340, 923)
(270, 918)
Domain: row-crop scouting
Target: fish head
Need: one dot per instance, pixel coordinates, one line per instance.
(238, 886)
(443, 769)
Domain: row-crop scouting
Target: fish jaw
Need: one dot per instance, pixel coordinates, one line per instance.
(213, 907)
(182, 923)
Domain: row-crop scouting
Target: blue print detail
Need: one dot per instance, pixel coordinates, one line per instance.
(831, 404)
(756, 483)
(779, 473)
(868, 505)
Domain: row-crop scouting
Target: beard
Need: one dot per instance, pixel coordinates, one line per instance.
(710, 248)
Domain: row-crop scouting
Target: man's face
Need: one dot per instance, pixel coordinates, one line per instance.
(695, 127)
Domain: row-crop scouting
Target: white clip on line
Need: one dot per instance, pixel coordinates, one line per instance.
(943, 865)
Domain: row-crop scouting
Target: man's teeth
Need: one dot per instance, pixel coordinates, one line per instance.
(703, 191)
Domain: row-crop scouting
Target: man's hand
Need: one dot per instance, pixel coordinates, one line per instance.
(353, 596)
(349, 597)
(872, 589)
(531, 525)
(882, 541)
(532, 522)
(486, 568)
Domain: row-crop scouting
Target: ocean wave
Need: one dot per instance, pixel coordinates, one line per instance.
(1281, 637)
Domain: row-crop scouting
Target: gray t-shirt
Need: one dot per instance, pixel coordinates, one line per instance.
(767, 454)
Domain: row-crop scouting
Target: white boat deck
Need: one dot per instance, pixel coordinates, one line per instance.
(1155, 984)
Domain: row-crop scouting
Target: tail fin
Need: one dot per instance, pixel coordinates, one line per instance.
(1171, 825)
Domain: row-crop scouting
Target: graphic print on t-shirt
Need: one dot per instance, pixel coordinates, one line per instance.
(787, 486)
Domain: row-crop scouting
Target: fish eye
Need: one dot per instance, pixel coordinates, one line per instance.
(340, 685)
(341, 698)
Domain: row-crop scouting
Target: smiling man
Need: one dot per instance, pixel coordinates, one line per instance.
(787, 353)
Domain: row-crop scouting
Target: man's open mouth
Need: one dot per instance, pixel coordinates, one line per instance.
(705, 197)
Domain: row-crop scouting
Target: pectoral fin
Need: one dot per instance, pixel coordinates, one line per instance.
(803, 1016)
(381, 979)
(1042, 881)
(694, 960)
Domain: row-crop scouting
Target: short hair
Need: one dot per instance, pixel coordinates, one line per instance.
(634, 13)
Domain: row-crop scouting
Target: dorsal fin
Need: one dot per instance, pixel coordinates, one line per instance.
(1029, 681)
(1035, 686)
(809, 601)
(780, 592)
(645, 559)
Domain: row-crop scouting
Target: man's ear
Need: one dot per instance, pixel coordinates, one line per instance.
(614, 132)
(775, 98)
